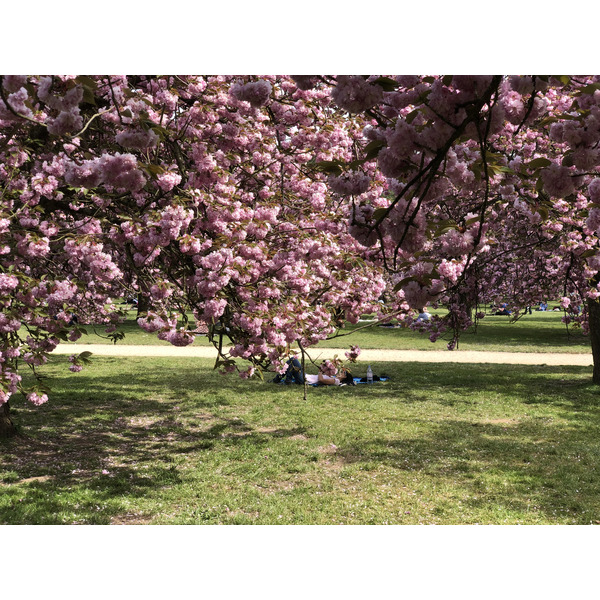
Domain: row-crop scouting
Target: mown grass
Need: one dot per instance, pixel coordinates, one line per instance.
(538, 332)
(170, 441)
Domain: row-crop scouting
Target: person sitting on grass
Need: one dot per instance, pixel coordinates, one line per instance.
(503, 310)
(424, 315)
(294, 375)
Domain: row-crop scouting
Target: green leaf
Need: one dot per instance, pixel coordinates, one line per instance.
(355, 164)
(447, 79)
(589, 89)
(88, 96)
(566, 117)
(388, 84)
(503, 169)
(154, 169)
(399, 285)
(329, 166)
(380, 214)
(442, 230)
(442, 226)
(372, 149)
(84, 355)
(567, 160)
(86, 81)
(161, 132)
(536, 163)
(115, 336)
(410, 117)
(423, 97)
(494, 157)
(446, 223)
(404, 282)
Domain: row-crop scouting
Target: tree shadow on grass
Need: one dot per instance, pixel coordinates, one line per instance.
(569, 387)
(116, 438)
(538, 451)
(51, 489)
(493, 467)
(136, 424)
(529, 441)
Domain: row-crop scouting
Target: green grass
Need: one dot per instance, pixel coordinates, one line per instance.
(445, 444)
(134, 335)
(538, 332)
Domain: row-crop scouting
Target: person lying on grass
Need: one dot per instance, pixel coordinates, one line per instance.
(294, 375)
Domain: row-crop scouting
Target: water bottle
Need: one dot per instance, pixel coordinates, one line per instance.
(369, 374)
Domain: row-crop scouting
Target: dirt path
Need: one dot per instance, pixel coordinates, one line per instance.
(440, 356)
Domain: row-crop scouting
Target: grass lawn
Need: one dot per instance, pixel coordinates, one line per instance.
(538, 332)
(170, 441)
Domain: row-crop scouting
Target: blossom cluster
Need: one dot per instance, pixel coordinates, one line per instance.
(494, 180)
(197, 193)
(276, 209)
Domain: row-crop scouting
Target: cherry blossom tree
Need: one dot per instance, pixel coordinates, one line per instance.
(275, 209)
(200, 194)
(493, 191)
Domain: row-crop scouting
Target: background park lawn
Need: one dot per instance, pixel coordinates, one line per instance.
(538, 332)
(172, 441)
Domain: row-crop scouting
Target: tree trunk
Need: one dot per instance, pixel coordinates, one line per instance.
(466, 304)
(143, 303)
(594, 324)
(7, 427)
(594, 321)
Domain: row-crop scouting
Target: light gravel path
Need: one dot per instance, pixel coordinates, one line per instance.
(432, 356)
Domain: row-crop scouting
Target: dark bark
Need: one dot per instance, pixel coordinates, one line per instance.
(466, 303)
(143, 303)
(594, 321)
(594, 325)
(7, 427)
(304, 372)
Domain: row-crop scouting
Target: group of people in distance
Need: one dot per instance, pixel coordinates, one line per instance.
(543, 307)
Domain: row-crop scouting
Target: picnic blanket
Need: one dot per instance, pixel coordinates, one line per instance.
(311, 380)
(376, 379)
(357, 380)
